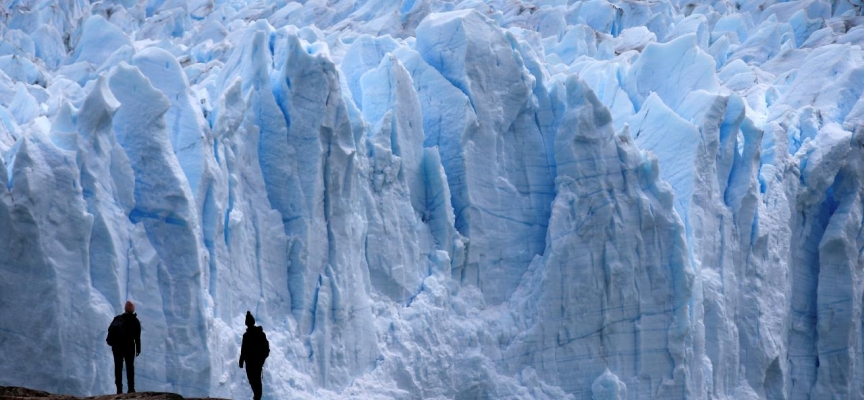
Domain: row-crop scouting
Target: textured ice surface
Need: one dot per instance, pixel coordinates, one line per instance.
(604, 199)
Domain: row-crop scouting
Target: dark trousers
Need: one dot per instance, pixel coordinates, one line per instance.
(119, 356)
(253, 372)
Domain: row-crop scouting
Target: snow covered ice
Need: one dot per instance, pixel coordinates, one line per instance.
(420, 199)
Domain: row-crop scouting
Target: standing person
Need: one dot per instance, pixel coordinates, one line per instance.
(124, 337)
(253, 352)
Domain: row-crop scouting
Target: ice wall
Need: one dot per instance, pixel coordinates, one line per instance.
(433, 199)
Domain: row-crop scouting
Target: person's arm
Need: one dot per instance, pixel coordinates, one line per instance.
(242, 350)
(137, 337)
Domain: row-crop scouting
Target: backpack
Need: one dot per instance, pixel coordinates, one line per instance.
(116, 332)
(264, 350)
(259, 346)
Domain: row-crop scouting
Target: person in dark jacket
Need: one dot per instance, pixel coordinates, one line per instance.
(125, 341)
(253, 352)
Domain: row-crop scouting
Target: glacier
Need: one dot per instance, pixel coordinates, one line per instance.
(437, 199)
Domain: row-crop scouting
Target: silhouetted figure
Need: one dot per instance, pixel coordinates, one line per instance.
(124, 337)
(254, 351)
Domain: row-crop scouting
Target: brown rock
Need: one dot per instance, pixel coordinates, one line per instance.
(18, 393)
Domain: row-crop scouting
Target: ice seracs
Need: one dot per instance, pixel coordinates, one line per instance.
(428, 199)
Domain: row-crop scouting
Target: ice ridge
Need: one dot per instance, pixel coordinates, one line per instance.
(602, 199)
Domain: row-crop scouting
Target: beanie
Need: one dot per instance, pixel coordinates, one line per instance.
(250, 320)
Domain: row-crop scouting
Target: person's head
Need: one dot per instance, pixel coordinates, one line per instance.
(129, 307)
(250, 320)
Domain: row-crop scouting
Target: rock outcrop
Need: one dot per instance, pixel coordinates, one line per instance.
(19, 393)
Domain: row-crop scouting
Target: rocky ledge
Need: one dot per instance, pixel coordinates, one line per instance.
(17, 393)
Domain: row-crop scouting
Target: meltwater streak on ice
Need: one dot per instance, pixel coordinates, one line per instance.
(424, 199)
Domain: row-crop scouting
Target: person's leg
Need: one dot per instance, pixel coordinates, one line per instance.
(130, 370)
(253, 373)
(118, 370)
(258, 388)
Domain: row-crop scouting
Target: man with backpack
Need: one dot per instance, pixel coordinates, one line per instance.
(253, 352)
(124, 337)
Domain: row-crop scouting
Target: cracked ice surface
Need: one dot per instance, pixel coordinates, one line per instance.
(604, 199)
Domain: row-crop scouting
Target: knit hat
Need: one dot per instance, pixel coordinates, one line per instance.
(250, 320)
(129, 307)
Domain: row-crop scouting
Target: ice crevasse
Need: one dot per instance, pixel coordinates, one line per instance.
(436, 199)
